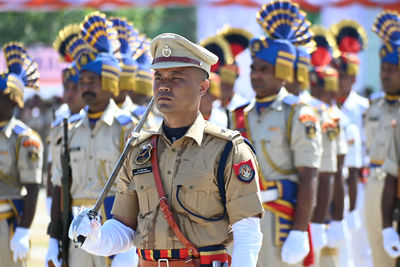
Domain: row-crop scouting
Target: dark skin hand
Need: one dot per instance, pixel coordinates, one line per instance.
(352, 182)
(338, 191)
(388, 201)
(305, 197)
(30, 201)
(325, 183)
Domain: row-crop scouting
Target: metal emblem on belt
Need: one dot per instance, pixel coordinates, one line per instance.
(144, 154)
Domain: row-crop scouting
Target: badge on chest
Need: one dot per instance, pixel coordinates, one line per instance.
(144, 154)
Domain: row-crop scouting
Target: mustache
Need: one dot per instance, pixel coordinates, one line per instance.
(167, 94)
(88, 93)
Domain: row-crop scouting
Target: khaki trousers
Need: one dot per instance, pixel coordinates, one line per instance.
(270, 255)
(6, 257)
(373, 218)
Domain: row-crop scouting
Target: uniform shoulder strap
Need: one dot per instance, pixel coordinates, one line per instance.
(220, 132)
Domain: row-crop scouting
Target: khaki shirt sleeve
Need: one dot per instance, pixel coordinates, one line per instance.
(126, 201)
(30, 159)
(328, 158)
(391, 164)
(242, 198)
(306, 138)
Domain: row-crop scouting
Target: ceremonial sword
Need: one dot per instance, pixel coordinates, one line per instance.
(93, 213)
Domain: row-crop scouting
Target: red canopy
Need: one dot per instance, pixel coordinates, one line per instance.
(309, 5)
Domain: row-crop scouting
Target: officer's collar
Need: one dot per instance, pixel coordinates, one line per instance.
(350, 101)
(196, 130)
(277, 104)
(128, 104)
(108, 116)
(9, 127)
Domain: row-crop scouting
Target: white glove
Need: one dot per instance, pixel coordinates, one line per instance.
(247, 241)
(48, 205)
(353, 220)
(337, 233)
(111, 238)
(391, 242)
(19, 244)
(52, 253)
(126, 259)
(296, 247)
(82, 225)
(318, 235)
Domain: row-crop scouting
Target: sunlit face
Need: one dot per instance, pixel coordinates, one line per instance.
(89, 85)
(390, 78)
(263, 78)
(178, 90)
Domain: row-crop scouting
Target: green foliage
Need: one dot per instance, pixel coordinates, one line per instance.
(37, 27)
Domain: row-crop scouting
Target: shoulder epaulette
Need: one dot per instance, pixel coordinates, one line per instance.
(220, 132)
(315, 103)
(124, 119)
(76, 117)
(139, 111)
(20, 129)
(291, 100)
(376, 95)
(57, 121)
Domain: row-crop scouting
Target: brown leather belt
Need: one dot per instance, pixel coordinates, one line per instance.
(169, 263)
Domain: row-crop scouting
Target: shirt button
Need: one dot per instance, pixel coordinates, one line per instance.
(90, 157)
(141, 187)
(169, 172)
(91, 135)
(191, 187)
(173, 150)
(90, 179)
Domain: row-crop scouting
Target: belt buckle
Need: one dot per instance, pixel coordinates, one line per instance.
(159, 261)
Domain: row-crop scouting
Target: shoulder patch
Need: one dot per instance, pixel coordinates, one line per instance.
(76, 117)
(124, 119)
(291, 100)
(220, 132)
(244, 171)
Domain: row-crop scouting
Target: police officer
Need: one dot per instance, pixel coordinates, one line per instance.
(184, 154)
(287, 139)
(378, 124)
(21, 154)
(95, 138)
(71, 96)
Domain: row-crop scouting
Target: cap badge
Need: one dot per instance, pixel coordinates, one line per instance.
(166, 51)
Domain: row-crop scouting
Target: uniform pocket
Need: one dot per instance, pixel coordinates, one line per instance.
(147, 193)
(194, 193)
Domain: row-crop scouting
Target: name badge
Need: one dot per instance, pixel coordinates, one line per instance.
(142, 170)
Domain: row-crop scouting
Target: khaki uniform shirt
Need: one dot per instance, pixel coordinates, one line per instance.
(392, 161)
(94, 152)
(21, 159)
(281, 140)
(191, 162)
(378, 119)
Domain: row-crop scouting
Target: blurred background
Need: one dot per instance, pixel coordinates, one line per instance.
(36, 23)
